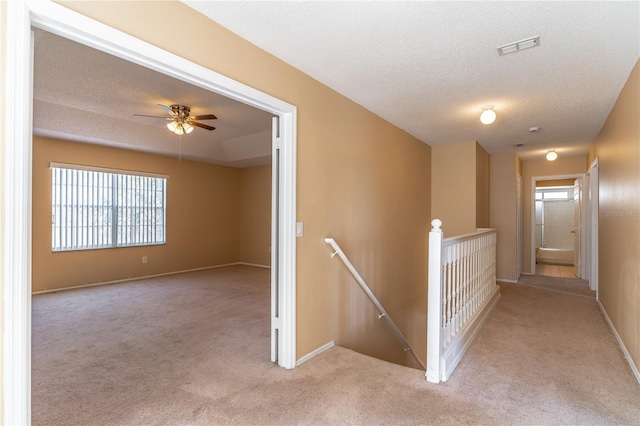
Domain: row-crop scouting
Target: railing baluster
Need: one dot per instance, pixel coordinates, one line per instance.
(466, 280)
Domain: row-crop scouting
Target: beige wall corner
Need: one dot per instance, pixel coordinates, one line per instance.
(255, 215)
(541, 168)
(453, 193)
(618, 150)
(482, 187)
(503, 199)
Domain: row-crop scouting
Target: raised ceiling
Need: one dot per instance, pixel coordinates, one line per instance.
(429, 67)
(86, 95)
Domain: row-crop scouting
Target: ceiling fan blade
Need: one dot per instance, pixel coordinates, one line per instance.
(166, 108)
(203, 126)
(205, 117)
(152, 116)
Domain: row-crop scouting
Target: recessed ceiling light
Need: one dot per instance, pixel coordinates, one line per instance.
(551, 156)
(534, 129)
(527, 43)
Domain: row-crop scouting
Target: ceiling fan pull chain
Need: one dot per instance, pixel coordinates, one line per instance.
(180, 150)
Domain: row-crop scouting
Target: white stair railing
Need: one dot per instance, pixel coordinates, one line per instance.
(383, 313)
(462, 292)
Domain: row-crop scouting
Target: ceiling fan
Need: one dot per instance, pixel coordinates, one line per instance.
(180, 122)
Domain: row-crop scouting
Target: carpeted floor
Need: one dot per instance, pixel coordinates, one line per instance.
(573, 285)
(194, 349)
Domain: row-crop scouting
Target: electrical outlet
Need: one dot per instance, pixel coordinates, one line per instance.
(144, 259)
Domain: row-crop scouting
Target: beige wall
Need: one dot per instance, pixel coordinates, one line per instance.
(482, 187)
(503, 193)
(255, 215)
(555, 182)
(541, 168)
(203, 219)
(453, 194)
(618, 150)
(460, 192)
(360, 179)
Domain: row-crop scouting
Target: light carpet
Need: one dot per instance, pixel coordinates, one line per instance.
(194, 348)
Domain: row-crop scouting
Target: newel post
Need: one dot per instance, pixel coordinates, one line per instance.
(434, 307)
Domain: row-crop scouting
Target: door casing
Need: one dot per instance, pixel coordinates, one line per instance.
(16, 203)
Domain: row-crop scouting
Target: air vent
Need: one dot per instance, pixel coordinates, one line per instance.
(527, 43)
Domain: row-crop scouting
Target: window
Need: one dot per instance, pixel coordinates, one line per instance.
(554, 193)
(99, 208)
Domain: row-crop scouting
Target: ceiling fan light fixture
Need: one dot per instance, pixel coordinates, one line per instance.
(551, 155)
(188, 128)
(172, 125)
(488, 115)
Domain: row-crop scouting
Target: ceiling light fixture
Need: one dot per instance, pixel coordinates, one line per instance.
(179, 127)
(488, 115)
(551, 155)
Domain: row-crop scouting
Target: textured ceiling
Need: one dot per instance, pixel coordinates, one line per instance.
(86, 95)
(428, 67)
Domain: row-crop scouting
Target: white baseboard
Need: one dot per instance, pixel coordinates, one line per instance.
(634, 368)
(315, 353)
(124, 280)
(253, 264)
(504, 280)
(454, 353)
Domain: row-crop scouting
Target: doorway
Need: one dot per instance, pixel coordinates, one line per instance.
(558, 226)
(17, 175)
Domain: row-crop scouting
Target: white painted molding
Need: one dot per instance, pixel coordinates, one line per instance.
(255, 265)
(627, 356)
(454, 353)
(143, 277)
(16, 217)
(504, 280)
(315, 353)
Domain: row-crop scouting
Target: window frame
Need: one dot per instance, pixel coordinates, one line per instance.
(115, 206)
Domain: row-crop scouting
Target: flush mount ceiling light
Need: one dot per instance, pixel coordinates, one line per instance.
(516, 46)
(551, 155)
(488, 115)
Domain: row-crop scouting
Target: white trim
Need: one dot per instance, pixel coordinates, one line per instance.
(315, 353)
(143, 277)
(16, 220)
(452, 357)
(16, 217)
(106, 170)
(503, 280)
(634, 368)
(255, 265)
(594, 220)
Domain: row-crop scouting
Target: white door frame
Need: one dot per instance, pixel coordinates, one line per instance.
(16, 176)
(584, 231)
(593, 196)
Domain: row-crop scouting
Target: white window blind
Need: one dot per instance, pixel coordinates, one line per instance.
(99, 208)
